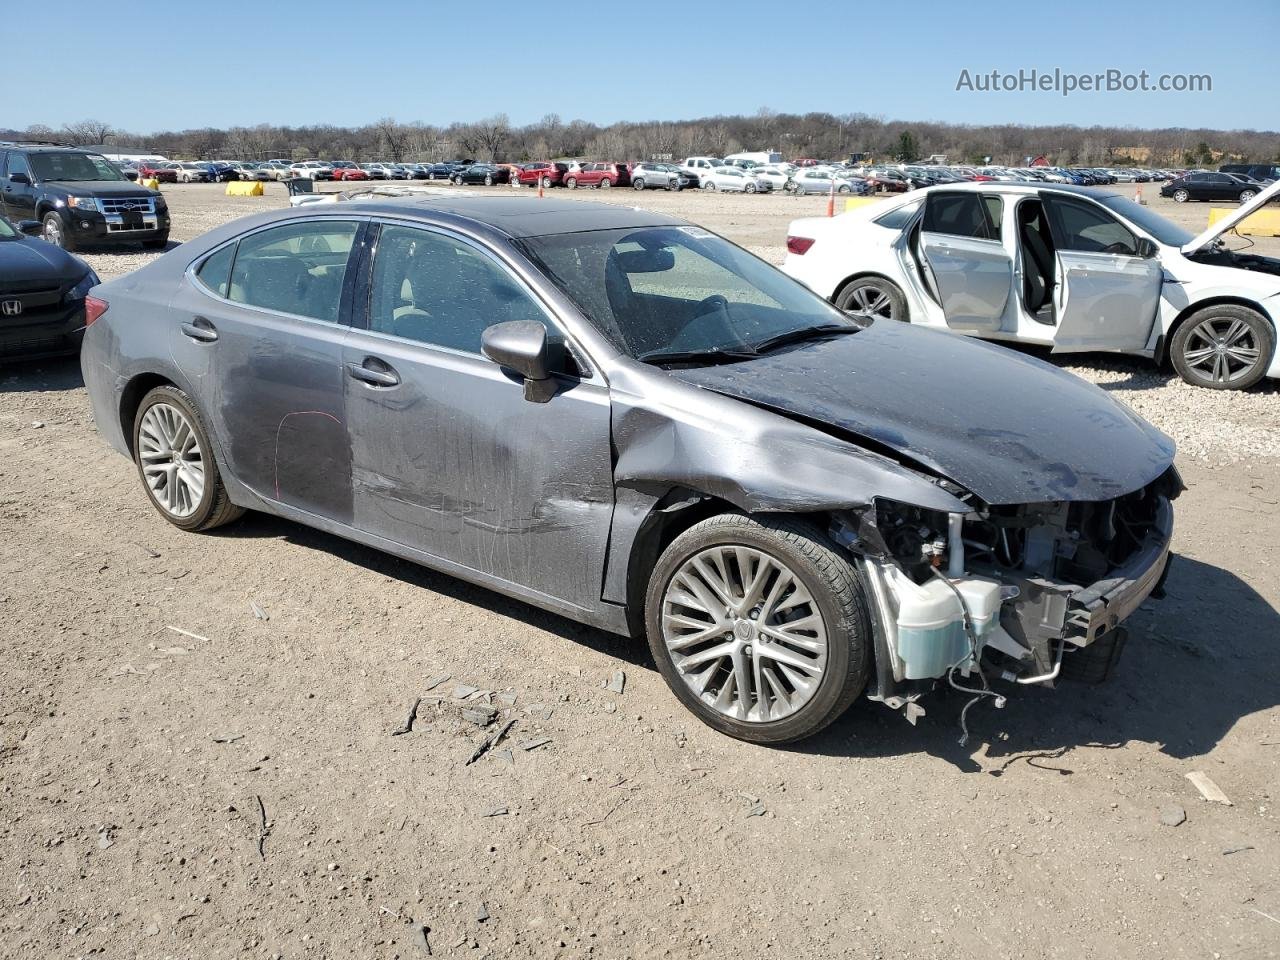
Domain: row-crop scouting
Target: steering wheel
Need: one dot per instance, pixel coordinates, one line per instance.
(1118, 247)
(713, 302)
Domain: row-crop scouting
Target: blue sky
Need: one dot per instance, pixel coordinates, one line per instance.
(436, 62)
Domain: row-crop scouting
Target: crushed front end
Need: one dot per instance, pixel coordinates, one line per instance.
(1028, 593)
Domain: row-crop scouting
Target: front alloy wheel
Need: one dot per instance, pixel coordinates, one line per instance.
(54, 232)
(759, 626)
(1226, 347)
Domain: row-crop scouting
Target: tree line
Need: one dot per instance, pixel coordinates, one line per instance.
(820, 135)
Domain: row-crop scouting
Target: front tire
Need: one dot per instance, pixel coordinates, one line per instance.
(709, 187)
(637, 184)
(874, 297)
(1224, 347)
(175, 462)
(546, 183)
(56, 232)
(571, 183)
(759, 626)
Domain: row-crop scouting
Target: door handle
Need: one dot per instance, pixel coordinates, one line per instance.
(372, 376)
(200, 329)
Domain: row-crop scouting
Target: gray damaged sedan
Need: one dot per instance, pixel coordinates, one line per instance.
(628, 420)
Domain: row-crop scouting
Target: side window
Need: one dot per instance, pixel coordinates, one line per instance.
(436, 290)
(897, 219)
(959, 215)
(296, 268)
(18, 164)
(995, 215)
(215, 272)
(1084, 227)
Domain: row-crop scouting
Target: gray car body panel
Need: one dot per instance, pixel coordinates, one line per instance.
(519, 505)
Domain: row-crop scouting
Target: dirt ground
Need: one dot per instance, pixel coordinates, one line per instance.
(197, 760)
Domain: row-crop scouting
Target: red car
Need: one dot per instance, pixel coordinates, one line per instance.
(346, 170)
(543, 173)
(599, 175)
(148, 170)
(804, 162)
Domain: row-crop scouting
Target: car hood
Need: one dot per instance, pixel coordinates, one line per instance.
(1229, 222)
(1005, 426)
(103, 188)
(24, 261)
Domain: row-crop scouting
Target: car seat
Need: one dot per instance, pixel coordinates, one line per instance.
(1038, 260)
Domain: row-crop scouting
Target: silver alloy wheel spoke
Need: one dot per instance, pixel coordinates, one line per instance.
(1222, 347)
(744, 633)
(172, 462)
(872, 301)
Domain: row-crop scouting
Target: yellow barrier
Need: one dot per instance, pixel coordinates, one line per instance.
(152, 184)
(244, 188)
(852, 203)
(1264, 223)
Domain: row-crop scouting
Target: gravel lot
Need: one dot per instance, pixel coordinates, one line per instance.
(134, 756)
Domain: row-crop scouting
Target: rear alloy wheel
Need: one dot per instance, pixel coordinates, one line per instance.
(1247, 195)
(637, 184)
(546, 182)
(606, 183)
(488, 180)
(56, 233)
(1226, 347)
(873, 297)
(1181, 196)
(759, 626)
(571, 183)
(175, 462)
(750, 188)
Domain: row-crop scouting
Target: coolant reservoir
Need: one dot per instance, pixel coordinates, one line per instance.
(931, 634)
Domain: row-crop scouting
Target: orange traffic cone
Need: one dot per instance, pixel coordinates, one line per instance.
(831, 199)
(539, 189)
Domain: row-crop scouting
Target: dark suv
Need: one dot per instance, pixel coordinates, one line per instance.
(1265, 172)
(79, 198)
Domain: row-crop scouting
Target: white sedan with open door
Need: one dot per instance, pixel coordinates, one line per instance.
(1071, 268)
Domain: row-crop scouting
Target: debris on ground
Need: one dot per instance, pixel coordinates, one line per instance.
(507, 699)
(436, 681)
(481, 716)
(420, 939)
(756, 811)
(228, 737)
(490, 742)
(258, 611)
(1228, 851)
(1172, 815)
(496, 812)
(617, 682)
(462, 691)
(188, 633)
(408, 723)
(104, 840)
(263, 830)
(535, 744)
(482, 913)
(1208, 789)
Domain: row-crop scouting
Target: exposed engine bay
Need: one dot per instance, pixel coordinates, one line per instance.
(1220, 256)
(1027, 593)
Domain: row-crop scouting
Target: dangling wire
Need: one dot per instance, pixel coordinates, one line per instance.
(977, 694)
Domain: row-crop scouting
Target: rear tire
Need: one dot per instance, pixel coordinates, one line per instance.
(875, 297)
(835, 596)
(1181, 196)
(606, 183)
(1247, 195)
(1247, 339)
(571, 183)
(709, 187)
(546, 183)
(212, 508)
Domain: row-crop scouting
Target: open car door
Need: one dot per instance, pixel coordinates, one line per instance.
(1108, 279)
(964, 260)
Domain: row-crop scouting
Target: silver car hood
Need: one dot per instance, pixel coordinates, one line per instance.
(1005, 426)
(1261, 199)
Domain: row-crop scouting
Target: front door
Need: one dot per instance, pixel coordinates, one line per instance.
(964, 258)
(448, 457)
(1107, 295)
(19, 197)
(257, 332)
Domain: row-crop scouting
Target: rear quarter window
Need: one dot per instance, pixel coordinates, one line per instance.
(214, 274)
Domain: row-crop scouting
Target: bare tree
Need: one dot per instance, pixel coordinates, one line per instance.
(393, 138)
(491, 134)
(88, 132)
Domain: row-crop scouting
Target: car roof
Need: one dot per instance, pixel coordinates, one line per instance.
(1019, 187)
(511, 216)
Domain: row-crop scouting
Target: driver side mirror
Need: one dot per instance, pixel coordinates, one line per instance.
(32, 228)
(19, 178)
(1147, 248)
(521, 346)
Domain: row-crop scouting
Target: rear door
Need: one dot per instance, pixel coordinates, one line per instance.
(257, 329)
(965, 259)
(1107, 295)
(448, 457)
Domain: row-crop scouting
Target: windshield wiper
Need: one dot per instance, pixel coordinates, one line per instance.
(805, 333)
(700, 357)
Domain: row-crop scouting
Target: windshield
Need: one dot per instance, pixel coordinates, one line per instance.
(1170, 234)
(677, 289)
(6, 232)
(72, 166)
